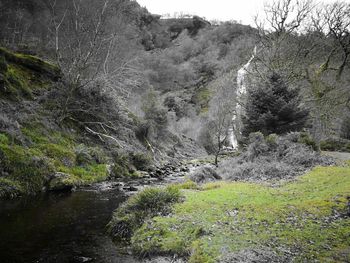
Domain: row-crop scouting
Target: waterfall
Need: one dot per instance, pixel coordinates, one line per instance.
(241, 90)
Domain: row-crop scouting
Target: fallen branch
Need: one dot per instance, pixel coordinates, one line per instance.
(100, 135)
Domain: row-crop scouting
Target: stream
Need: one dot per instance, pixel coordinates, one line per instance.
(60, 227)
(70, 227)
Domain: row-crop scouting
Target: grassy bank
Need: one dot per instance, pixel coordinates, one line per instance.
(306, 219)
(28, 167)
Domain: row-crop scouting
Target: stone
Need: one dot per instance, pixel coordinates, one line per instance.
(60, 182)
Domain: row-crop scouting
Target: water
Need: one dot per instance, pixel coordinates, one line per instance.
(65, 227)
(240, 94)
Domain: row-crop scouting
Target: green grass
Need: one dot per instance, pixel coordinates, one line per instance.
(233, 216)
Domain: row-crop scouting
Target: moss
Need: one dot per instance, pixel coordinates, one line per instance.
(60, 153)
(271, 139)
(48, 152)
(22, 74)
(4, 139)
(33, 63)
(306, 216)
(26, 166)
(15, 85)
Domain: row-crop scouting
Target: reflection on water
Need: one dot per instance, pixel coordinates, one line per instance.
(65, 227)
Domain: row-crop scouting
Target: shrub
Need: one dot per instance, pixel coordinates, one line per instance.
(121, 166)
(271, 140)
(306, 139)
(82, 155)
(141, 161)
(257, 145)
(272, 158)
(335, 144)
(204, 174)
(137, 209)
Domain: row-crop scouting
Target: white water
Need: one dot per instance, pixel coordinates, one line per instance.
(241, 90)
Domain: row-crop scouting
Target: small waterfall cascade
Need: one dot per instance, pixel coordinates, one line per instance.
(236, 130)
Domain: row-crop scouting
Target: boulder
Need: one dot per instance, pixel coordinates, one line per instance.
(60, 182)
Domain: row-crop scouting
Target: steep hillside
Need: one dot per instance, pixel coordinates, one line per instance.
(38, 151)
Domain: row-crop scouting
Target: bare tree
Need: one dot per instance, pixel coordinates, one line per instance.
(221, 111)
(279, 48)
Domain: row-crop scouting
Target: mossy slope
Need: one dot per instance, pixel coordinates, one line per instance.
(21, 75)
(28, 168)
(309, 217)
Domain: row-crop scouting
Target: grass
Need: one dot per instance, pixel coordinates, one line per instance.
(307, 216)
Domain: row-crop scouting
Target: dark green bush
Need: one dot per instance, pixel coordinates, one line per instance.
(137, 209)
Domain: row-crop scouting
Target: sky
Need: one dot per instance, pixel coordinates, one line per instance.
(225, 10)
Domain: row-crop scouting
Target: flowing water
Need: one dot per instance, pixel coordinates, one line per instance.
(64, 227)
(240, 94)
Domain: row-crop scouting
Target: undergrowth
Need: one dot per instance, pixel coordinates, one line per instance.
(273, 158)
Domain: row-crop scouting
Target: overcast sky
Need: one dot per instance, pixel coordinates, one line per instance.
(224, 10)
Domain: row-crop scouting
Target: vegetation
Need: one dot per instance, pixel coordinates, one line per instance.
(335, 144)
(306, 217)
(27, 169)
(140, 207)
(22, 75)
(274, 108)
(273, 158)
